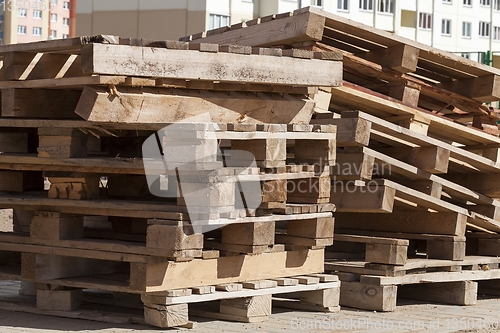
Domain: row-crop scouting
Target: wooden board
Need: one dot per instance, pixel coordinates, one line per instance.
(148, 105)
(195, 65)
(165, 276)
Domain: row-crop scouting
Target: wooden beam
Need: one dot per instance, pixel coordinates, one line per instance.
(195, 65)
(362, 199)
(297, 28)
(140, 105)
(402, 58)
(169, 275)
(483, 89)
(368, 297)
(352, 132)
(405, 221)
(430, 159)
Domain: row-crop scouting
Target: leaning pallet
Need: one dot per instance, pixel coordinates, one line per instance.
(114, 215)
(415, 190)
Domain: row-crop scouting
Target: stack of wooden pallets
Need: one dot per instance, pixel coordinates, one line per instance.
(415, 184)
(75, 115)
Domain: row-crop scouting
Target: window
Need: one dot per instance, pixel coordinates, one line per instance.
(446, 27)
(496, 33)
(37, 14)
(448, 2)
(468, 3)
(53, 34)
(466, 26)
(22, 12)
(484, 29)
(65, 5)
(37, 31)
(343, 5)
(386, 6)
(65, 21)
(317, 3)
(465, 55)
(217, 21)
(366, 4)
(54, 2)
(21, 30)
(53, 17)
(65, 36)
(425, 21)
(496, 4)
(485, 2)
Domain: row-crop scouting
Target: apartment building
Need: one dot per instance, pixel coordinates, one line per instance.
(37, 20)
(169, 19)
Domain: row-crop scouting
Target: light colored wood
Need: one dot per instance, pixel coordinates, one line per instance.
(370, 240)
(350, 131)
(445, 249)
(173, 237)
(64, 300)
(386, 254)
(432, 277)
(353, 166)
(441, 223)
(314, 228)
(125, 60)
(457, 293)
(165, 316)
(257, 233)
(368, 297)
(261, 284)
(229, 287)
(430, 159)
(148, 105)
(401, 58)
(165, 276)
(255, 306)
(361, 199)
(324, 298)
(292, 29)
(482, 89)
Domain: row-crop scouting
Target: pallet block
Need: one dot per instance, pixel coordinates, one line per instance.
(165, 316)
(63, 300)
(55, 226)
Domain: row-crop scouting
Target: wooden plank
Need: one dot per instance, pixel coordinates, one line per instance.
(296, 28)
(432, 277)
(350, 132)
(482, 89)
(370, 240)
(441, 223)
(165, 276)
(360, 199)
(194, 65)
(430, 159)
(69, 44)
(401, 58)
(148, 105)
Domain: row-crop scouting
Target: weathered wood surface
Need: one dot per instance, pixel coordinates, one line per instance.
(149, 105)
(195, 65)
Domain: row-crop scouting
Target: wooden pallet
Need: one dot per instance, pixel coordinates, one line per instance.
(376, 58)
(248, 302)
(443, 281)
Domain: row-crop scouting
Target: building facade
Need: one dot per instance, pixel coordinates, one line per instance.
(468, 27)
(36, 20)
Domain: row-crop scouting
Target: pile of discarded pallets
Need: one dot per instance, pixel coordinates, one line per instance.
(130, 165)
(120, 160)
(416, 180)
